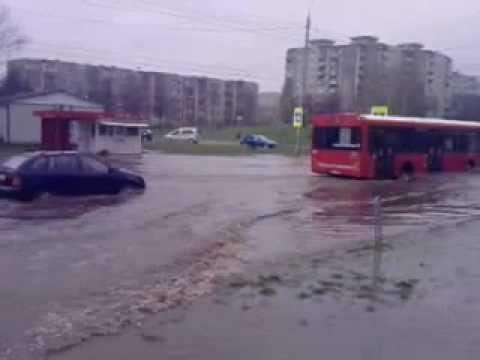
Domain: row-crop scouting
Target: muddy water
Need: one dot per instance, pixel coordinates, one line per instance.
(75, 269)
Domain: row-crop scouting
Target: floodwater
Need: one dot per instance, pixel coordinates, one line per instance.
(76, 270)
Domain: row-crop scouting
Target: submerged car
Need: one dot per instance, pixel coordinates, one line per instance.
(29, 175)
(185, 134)
(258, 142)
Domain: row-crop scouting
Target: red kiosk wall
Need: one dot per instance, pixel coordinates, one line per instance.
(56, 134)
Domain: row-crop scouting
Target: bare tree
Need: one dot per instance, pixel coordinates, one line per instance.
(11, 37)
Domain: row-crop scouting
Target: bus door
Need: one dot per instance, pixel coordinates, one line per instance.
(383, 143)
(435, 152)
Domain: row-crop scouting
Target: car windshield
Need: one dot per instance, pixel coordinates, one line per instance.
(15, 162)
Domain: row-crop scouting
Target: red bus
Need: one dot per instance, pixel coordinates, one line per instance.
(387, 147)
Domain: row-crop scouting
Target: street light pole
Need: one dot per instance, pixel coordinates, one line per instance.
(303, 94)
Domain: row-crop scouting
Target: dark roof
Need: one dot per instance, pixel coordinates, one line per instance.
(5, 100)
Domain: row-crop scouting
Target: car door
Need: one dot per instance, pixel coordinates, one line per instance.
(187, 135)
(249, 141)
(35, 175)
(64, 175)
(97, 177)
(176, 135)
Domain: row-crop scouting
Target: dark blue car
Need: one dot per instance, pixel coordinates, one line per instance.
(258, 142)
(27, 176)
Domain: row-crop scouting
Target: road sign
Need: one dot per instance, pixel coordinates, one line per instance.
(298, 118)
(379, 110)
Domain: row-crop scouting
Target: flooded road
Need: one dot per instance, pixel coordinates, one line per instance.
(78, 269)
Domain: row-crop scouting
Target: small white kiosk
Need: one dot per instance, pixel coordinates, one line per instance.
(91, 132)
(109, 136)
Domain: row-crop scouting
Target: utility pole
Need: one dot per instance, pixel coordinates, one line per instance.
(306, 53)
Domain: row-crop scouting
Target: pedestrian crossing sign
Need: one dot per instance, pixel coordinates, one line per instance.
(379, 110)
(298, 118)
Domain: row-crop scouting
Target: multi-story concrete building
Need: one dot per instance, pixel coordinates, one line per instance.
(438, 83)
(366, 72)
(465, 84)
(354, 73)
(268, 107)
(363, 74)
(322, 73)
(165, 98)
(465, 103)
(419, 80)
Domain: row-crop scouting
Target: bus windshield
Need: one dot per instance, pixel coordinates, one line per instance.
(337, 138)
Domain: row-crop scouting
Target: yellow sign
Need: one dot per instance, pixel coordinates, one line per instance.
(298, 118)
(379, 110)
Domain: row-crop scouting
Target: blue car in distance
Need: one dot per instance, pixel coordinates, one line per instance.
(27, 176)
(254, 141)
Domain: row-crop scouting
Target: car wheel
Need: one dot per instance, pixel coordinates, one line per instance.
(115, 190)
(137, 184)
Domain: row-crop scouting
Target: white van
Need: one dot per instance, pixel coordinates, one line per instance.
(184, 134)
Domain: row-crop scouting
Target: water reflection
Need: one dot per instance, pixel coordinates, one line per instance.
(405, 204)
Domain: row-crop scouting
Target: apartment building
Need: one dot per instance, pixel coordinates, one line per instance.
(465, 84)
(366, 72)
(322, 73)
(165, 98)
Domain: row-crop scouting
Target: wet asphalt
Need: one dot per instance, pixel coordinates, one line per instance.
(77, 270)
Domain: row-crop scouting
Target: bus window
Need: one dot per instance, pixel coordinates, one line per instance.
(384, 139)
(399, 140)
(477, 143)
(472, 143)
(337, 138)
(449, 143)
(461, 143)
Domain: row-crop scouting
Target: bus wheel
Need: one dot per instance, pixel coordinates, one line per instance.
(407, 171)
(470, 165)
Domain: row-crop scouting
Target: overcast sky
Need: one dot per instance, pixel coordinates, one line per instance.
(235, 39)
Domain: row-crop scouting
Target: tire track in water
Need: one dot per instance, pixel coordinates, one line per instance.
(177, 284)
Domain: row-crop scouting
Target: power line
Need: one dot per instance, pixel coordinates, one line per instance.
(147, 57)
(247, 17)
(152, 63)
(203, 17)
(296, 25)
(164, 27)
(186, 16)
(212, 19)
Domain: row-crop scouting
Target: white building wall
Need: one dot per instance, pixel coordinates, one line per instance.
(25, 128)
(83, 134)
(118, 144)
(86, 135)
